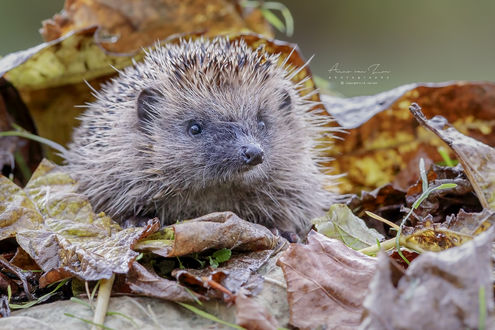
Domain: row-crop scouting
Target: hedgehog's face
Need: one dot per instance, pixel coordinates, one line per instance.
(240, 137)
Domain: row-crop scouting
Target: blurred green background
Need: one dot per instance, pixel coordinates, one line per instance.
(416, 41)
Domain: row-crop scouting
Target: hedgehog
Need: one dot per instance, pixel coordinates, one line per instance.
(204, 126)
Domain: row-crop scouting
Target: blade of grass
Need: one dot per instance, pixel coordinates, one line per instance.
(273, 20)
(127, 317)
(288, 26)
(445, 156)
(9, 293)
(101, 326)
(40, 299)
(27, 135)
(21, 162)
(289, 20)
(80, 301)
(209, 316)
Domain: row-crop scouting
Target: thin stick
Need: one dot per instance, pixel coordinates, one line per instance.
(379, 218)
(219, 287)
(102, 301)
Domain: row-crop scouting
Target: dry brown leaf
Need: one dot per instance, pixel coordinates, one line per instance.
(471, 223)
(382, 137)
(477, 158)
(125, 25)
(438, 290)
(22, 260)
(213, 231)
(251, 315)
(326, 283)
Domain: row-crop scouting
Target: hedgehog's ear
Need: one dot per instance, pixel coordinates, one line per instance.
(146, 103)
(285, 100)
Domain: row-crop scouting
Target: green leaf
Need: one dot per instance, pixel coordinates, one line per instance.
(340, 223)
(446, 186)
(213, 262)
(222, 255)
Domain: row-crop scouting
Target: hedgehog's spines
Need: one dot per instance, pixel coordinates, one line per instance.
(149, 167)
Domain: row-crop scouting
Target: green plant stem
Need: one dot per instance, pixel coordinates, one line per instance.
(102, 301)
(27, 135)
(482, 308)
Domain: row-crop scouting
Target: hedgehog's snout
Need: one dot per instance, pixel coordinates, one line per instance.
(252, 154)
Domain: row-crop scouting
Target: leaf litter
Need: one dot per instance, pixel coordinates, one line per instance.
(57, 231)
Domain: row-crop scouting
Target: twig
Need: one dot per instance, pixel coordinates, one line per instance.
(219, 287)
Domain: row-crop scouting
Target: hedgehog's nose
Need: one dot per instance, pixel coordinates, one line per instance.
(252, 154)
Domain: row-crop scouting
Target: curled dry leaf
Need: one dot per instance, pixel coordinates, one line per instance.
(326, 283)
(436, 291)
(213, 231)
(340, 223)
(145, 282)
(61, 233)
(471, 223)
(477, 158)
(383, 139)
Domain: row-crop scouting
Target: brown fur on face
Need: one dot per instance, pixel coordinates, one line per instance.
(199, 127)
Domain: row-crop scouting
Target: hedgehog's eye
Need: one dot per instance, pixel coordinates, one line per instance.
(261, 125)
(194, 128)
